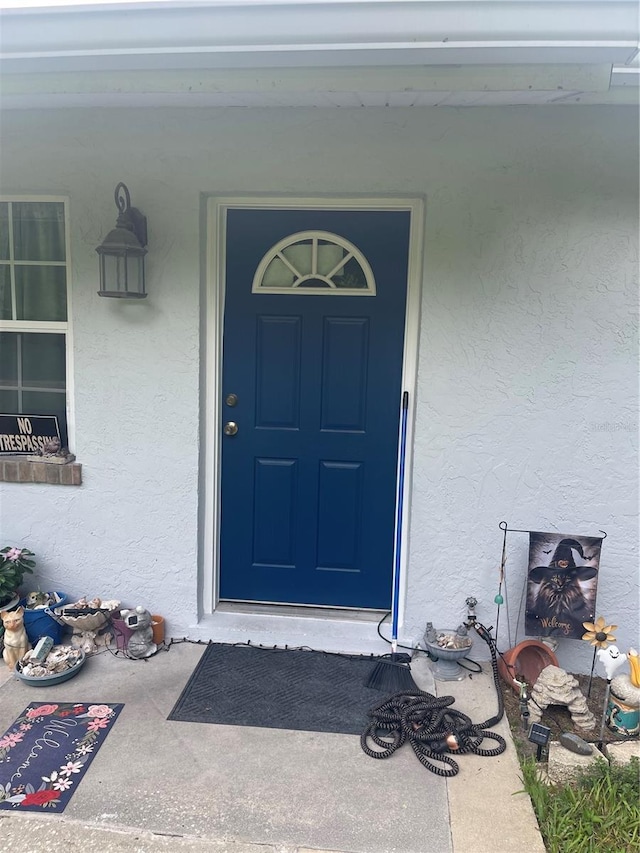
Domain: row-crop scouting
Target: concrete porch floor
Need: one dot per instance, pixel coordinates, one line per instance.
(158, 786)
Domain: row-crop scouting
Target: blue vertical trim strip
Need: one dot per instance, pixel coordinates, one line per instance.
(395, 605)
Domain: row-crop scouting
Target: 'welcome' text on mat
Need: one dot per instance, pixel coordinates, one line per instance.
(47, 750)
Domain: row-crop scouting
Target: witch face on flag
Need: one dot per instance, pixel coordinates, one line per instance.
(562, 584)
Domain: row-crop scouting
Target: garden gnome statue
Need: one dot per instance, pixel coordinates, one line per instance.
(141, 643)
(623, 711)
(16, 642)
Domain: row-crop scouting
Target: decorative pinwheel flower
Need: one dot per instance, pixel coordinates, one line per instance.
(599, 633)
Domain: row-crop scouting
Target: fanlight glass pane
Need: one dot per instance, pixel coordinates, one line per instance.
(314, 282)
(351, 276)
(277, 274)
(329, 257)
(314, 262)
(299, 255)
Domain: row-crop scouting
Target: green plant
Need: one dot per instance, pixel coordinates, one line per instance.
(14, 562)
(598, 813)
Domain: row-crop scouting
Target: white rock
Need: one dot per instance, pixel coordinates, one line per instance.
(565, 765)
(623, 752)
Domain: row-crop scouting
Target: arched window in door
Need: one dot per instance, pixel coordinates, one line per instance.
(315, 263)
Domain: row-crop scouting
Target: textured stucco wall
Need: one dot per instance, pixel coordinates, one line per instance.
(527, 406)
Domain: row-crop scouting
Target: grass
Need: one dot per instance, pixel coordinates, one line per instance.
(599, 813)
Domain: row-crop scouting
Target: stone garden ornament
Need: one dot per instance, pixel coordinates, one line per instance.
(88, 620)
(556, 687)
(16, 642)
(140, 643)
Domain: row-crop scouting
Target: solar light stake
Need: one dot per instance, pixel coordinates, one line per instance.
(540, 735)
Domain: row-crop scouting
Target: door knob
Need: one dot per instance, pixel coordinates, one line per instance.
(230, 428)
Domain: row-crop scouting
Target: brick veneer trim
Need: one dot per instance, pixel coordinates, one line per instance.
(22, 471)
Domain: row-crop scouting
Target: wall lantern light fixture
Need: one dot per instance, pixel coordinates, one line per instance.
(122, 252)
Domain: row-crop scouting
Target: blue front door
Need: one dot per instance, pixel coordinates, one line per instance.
(311, 391)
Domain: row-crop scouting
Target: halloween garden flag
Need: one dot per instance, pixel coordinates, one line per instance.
(561, 584)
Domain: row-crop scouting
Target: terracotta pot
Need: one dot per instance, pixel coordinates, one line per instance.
(525, 662)
(157, 626)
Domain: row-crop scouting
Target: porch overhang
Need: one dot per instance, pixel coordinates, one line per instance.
(280, 33)
(404, 46)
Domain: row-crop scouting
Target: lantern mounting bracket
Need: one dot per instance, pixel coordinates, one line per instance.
(130, 217)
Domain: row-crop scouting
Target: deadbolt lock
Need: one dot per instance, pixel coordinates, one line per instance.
(231, 399)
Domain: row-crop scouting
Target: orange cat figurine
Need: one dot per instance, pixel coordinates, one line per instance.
(16, 642)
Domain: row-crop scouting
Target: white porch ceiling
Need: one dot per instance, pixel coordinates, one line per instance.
(318, 53)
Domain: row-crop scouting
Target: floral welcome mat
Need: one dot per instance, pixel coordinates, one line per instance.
(47, 750)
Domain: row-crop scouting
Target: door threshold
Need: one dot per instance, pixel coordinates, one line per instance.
(320, 629)
(301, 610)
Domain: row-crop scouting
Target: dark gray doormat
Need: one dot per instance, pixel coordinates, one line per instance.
(278, 689)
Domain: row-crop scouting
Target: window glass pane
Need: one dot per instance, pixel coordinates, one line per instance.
(38, 231)
(8, 402)
(43, 361)
(5, 292)
(43, 403)
(8, 358)
(41, 293)
(4, 231)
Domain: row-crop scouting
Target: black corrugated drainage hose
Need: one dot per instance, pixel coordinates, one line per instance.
(432, 727)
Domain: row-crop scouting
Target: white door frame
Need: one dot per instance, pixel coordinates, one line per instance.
(213, 309)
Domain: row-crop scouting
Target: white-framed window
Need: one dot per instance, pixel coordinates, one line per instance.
(314, 263)
(34, 308)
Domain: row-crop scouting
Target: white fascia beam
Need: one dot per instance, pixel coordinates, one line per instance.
(311, 33)
(194, 83)
(322, 56)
